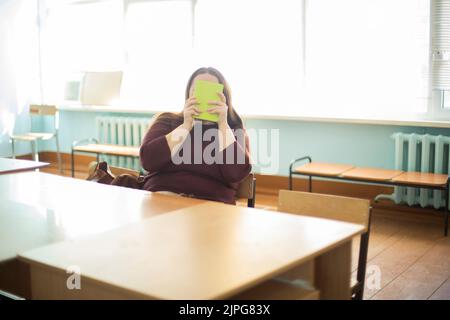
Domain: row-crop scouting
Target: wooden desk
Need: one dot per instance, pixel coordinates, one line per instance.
(15, 165)
(208, 251)
(37, 209)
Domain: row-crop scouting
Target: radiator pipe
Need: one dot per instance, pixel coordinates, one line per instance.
(384, 197)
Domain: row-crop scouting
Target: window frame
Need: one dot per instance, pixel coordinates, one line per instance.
(434, 111)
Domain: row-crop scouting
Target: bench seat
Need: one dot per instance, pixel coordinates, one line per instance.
(371, 174)
(324, 169)
(422, 178)
(109, 149)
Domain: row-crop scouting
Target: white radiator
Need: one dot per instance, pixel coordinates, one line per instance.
(124, 131)
(420, 153)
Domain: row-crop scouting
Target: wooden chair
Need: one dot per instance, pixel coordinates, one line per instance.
(345, 209)
(247, 190)
(34, 137)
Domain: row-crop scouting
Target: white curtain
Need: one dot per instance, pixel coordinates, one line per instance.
(18, 65)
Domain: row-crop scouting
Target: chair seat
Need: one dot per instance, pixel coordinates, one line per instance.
(372, 174)
(23, 137)
(323, 169)
(31, 136)
(42, 135)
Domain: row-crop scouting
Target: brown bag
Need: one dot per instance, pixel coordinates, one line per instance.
(101, 174)
(129, 181)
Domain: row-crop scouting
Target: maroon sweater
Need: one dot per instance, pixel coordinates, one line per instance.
(214, 181)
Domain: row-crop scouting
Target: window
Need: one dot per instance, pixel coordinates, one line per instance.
(159, 51)
(321, 58)
(257, 44)
(367, 58)
(78, 37)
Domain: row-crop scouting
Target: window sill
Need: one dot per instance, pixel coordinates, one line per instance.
(388, 122)
(374, 121)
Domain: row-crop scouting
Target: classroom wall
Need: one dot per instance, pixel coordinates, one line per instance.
(358, 144)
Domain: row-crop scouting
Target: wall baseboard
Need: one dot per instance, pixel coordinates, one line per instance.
(271, 184)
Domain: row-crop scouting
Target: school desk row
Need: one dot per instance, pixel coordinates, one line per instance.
(123, 243)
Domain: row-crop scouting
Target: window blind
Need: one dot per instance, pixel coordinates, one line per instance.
(440, 31)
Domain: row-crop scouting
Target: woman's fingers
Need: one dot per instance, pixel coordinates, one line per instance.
(191, 104)
(216, 110)
(191, 101)
(217, 103)
(222, 96)
(193, 110)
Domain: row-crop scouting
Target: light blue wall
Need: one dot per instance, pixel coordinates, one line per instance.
(75, 125)
(358, 144)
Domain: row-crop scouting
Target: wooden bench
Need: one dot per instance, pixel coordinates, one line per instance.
(373, 175)
(92, 146)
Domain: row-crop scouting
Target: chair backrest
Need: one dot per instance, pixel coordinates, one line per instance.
(246, 189)
(43, 110)
(46, 110)
(325, 206)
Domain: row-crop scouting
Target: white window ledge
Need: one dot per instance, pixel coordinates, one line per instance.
(389, 122)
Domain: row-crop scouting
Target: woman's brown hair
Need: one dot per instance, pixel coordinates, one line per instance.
(233, 118)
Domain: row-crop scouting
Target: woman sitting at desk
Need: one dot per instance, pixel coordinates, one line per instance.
(192, 157)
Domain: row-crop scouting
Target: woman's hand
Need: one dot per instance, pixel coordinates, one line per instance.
(220, 108)
(190, 110)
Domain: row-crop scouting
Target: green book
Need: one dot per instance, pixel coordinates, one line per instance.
(206, 91)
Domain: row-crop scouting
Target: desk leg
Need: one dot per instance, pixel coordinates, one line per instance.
(15, 278)
(446, 209)
(333, 271)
